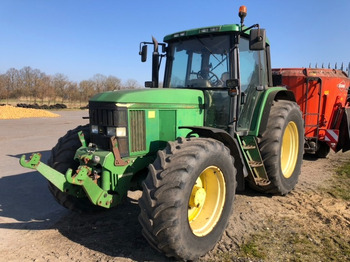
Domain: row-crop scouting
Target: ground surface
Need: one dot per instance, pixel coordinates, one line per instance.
(299, 227)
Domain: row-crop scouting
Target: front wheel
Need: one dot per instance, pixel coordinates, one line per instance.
(282, 147)
(188, 197)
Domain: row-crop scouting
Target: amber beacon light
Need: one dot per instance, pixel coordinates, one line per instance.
(242, 13)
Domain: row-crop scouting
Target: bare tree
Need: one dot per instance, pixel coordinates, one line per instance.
(12, 83)
(99, 82)
(34, 84)
(60, 83)
(113, 83)
(3, 89)
(132, 84)
(44, 87)
(72, 92)
(86, 90)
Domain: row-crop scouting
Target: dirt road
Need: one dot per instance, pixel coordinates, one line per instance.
(33, 227)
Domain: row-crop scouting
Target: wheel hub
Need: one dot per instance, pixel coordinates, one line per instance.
(206, 201)
(198, 196)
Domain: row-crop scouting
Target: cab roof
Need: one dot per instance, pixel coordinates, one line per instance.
(205, 31)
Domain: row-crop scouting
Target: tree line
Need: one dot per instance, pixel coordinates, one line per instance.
(38, 87)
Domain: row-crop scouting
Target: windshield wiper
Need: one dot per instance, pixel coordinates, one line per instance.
(200, 41)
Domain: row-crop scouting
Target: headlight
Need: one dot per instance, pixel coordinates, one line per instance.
(110, 131)
(94, 129)
(121, 131)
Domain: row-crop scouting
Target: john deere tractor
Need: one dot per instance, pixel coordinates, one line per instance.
(216, 125)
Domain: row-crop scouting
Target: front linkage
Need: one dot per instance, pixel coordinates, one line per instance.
(92, 163)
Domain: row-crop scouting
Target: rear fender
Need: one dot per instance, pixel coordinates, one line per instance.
(231, 143)
(273, 96)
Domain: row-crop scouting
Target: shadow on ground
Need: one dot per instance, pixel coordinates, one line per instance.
(115, 232)
(25, 202)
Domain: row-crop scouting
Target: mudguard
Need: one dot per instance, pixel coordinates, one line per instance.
(231, 143)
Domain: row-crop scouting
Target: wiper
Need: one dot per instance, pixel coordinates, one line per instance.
(223, 60)
(200, 41)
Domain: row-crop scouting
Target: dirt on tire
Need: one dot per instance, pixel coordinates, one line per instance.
(295, 227)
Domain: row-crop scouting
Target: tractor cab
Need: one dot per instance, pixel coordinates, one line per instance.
(226, 62)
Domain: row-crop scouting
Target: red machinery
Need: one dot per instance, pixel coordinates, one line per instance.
(322, 95)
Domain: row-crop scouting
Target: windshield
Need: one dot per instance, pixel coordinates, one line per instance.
(199, 62)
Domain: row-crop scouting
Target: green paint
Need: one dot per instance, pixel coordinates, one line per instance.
(259, 109)
(152, 98)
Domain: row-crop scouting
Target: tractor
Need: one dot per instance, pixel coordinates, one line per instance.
(216, 125)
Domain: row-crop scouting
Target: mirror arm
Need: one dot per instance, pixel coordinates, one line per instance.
(250, 27)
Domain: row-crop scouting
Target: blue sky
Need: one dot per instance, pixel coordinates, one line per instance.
(80, 38)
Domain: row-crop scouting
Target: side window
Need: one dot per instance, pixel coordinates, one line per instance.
(179, 70)
(253, 73)
(251, 62)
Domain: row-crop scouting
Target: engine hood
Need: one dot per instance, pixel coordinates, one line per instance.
(151, 97)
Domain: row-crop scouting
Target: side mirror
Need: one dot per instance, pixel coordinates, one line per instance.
(149, 84)
(257, 39)
(143, 53)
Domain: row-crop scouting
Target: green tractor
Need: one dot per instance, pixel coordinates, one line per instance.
(215, 125)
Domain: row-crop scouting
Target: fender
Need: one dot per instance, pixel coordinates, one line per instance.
(231, 143)
(279, 94)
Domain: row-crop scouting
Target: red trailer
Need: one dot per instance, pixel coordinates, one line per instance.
(322, 95)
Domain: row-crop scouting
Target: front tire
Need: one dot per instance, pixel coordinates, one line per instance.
(188, 197)
(282, 147)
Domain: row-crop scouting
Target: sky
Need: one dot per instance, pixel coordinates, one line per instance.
(81, 38)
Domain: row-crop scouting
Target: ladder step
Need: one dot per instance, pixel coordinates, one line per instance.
(254, 164)
(262, 182)
(249, 147)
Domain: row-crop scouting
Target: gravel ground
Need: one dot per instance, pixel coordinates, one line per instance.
(33, 227)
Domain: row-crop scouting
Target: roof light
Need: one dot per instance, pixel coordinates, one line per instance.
(179, 34)
(242, 13)
(209, 29)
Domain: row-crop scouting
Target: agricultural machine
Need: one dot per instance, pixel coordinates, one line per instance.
(322, 95)
(217, 124)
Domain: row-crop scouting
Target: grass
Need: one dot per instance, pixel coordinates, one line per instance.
(340, 183)
(285, 244)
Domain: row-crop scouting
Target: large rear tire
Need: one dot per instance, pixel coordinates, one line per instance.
(282, 147)
(62, 158)
(188, 197)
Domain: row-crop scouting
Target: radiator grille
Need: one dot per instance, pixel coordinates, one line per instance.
(137, 130)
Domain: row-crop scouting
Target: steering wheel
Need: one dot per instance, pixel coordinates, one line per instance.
(212, 78)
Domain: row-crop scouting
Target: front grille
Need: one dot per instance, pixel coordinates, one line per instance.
(108, 115)
(137, 130)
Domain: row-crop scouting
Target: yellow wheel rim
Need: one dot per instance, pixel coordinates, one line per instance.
(289, 149)
(206, 201)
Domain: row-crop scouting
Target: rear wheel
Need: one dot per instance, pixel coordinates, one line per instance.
(62, 158)
(188, 197)
(281, 147)
(323, 149)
